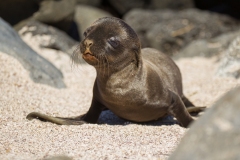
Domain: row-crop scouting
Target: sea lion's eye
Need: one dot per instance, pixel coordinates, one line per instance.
(87, 31)
(113, 42)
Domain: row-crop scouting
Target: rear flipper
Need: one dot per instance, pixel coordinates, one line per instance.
(195, 109)
(179, 111)
(191, 108)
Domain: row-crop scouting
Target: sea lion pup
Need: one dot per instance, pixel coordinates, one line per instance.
(137, 85)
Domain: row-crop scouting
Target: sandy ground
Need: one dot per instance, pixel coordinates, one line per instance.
(114, 138)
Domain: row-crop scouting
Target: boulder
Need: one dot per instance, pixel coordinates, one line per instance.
(41, 71)
(58, 13)
(172, 4)
(122, 6)
(230, 62)
(216, 134)
(86, 15)
(89, 2)
(47, 36)
(207, 47)
(170, 31)
(52, 11)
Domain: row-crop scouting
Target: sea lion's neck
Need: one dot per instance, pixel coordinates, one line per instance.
(120, 72)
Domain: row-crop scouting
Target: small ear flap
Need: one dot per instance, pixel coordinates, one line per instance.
(137, 52)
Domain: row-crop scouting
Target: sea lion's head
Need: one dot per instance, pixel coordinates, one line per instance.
(110, 42)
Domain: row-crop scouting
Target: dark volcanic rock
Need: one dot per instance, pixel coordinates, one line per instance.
(52, 11)
(86, 15)
(58, 13)
(215, 135)
(207, 47)
(172, 4)
(144, 20)
(170, 31)
(122, 6)
(48, 36)
(41, 71)
(230, 63)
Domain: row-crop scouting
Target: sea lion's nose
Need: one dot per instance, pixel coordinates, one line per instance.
(88, 43)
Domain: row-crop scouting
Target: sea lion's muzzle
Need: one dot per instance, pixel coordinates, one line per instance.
(87, 54)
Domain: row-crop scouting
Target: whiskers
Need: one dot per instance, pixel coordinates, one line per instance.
(103, 65)
(76, 58)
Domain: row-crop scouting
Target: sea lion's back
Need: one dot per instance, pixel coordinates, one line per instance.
(165, 66)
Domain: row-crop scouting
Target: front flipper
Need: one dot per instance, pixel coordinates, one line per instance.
(57, 120)
(90, 117)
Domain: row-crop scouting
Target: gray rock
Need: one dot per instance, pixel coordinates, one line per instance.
(207, 48)
(144, 20)
(172, 4)
(230, 63)
(170, 31)
(52, 11)
(41, 71)
(122, 6)
(215, 135)
(86, 15)
(47, 36)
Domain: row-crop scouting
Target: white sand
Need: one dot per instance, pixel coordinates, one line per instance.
(28, 140)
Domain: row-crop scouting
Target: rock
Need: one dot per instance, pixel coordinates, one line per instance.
(52, 11)
(230, 63)
(172, 4)
(122, 6)
(14, 11)
(170, 31)
(207, 48)
(47, 36)
(143, 20)
(86, 15)
(216, 134)
(89, 2)
(58, 13)
(41, 71)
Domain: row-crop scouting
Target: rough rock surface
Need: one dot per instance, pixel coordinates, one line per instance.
(170, 31)
(230, 62)
(122, 6)
(47, 36)
(54, 10)
(172, 4)
(41, 71)
(208, 47)
(86, 15)
(216, 135)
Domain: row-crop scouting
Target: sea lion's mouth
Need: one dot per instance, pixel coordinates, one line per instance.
(89, 57)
